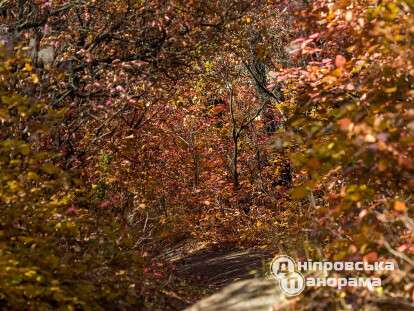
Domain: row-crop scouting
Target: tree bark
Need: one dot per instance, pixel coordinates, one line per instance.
(235, 137)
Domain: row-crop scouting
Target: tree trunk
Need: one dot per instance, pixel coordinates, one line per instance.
(234, 159)
(196, 160)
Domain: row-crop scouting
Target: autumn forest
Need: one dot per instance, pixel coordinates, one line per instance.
(158, 154)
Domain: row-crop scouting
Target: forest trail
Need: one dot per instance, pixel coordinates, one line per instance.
(234, 277)
(238, 279)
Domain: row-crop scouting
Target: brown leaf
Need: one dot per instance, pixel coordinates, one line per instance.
(371, 257)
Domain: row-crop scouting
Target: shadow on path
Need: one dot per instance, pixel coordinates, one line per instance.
(215, 268)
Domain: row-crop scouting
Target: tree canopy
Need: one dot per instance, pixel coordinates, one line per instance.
(130, 126)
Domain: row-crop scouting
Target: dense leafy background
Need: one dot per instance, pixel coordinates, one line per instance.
(130, 125)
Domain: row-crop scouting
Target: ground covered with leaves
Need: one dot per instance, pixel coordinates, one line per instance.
(146, 147)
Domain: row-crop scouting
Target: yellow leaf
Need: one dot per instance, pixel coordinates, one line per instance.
(121, 272)
(391, 90)
(337, 72)
(4, 115)
(13, 185)
(111, 180)
(49, 168)
(35, 78)
(33, 176)
(24, 149)
(30, 273)
(28, 67)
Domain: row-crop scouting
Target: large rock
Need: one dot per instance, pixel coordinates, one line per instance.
(248, 295)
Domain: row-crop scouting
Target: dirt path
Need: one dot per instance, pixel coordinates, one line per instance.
(217, 268)
(236, 278)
